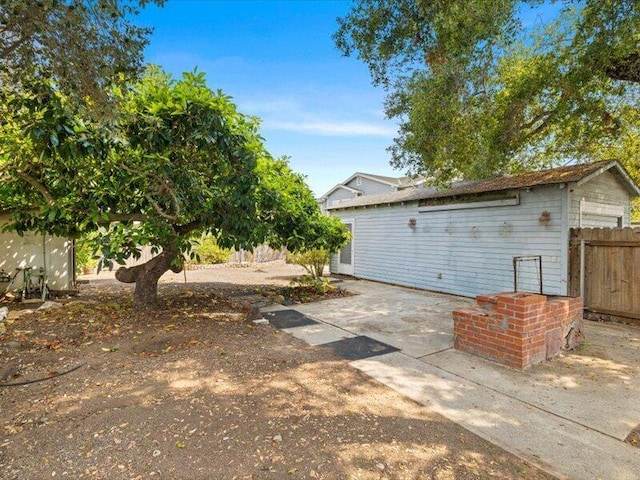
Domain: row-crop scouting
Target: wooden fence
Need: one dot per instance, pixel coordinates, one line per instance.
(604, 268)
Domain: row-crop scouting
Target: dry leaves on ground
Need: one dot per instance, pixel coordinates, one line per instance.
(195, 391)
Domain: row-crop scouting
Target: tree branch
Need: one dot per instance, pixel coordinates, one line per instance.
(38, 186)
(124, 217)
(188, 227)
(6, 51)
(164, 188)
(161, 212)
(161, 189)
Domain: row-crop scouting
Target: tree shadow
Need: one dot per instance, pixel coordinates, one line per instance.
(228, 400)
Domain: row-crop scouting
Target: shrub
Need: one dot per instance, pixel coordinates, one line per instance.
(319, 286)
(313, 261)
(208, 251)
(84, 256)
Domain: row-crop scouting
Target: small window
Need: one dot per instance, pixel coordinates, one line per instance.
(358, 181)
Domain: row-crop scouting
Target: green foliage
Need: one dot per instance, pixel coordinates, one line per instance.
(208, 251)
(314, 284)
(84, 255)
(479, 94)
(289, 212)
(83, 45)
(180, 162)
(183, 160)
(313, 261)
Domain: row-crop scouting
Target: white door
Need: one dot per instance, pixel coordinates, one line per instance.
(345, 255)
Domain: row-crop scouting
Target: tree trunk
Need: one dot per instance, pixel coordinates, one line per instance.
(146, 276)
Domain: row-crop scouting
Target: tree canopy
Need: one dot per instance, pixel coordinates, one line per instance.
(488, 88)
(180, 161)
(83, 44)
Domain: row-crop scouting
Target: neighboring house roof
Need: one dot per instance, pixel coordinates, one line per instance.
(345, 187)
(396, 182)
(399, 182)
(574, 173)
(392, 181)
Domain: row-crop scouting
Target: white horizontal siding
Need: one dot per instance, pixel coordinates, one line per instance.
(339, 194)
(464, 252)
(370, 187)
(605, 189)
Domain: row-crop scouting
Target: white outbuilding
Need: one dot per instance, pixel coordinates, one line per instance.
(467, 239)
(53, 254)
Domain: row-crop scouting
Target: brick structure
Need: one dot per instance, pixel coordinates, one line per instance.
(519, 329)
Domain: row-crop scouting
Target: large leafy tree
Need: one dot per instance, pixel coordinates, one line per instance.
(181, 161)
(83, 44)
(480, 92)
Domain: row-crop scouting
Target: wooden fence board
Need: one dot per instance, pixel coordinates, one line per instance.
(611, 278)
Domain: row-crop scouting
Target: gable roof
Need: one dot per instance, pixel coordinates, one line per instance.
(397, 182)
(574, 173)
(336, 187)
(392, 181)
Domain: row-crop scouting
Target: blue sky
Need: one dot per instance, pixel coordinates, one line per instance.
(278, 61)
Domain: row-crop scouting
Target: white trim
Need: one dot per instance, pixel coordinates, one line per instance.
(369, 177)
(602, 209)
(336, 187)
(348, 268)
(564, 242)
(506, 202)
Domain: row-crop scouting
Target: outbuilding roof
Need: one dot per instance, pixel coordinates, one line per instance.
(573, 173)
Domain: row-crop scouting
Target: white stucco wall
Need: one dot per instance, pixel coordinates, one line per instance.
(29, 251)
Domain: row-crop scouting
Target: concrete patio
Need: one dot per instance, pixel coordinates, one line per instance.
(569, 416)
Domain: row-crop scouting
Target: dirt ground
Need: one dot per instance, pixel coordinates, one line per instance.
(195, 391)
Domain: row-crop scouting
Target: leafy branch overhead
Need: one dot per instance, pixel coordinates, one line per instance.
(487, 88)
(84, 45)
(180, 161)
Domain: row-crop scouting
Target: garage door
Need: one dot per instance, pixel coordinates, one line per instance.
(600, 215)
(600, 221)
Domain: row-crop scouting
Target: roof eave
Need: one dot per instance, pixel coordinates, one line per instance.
(629, 184)
(336, 187)
(370, 177)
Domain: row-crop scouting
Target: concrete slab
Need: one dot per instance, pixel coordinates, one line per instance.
(288, 319)
(375, 302)
(359, 347)
(564, 448)
(415, 334)
(415, 321)
(568, 415)
(582, 387)
(319, 333)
